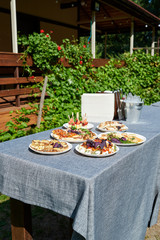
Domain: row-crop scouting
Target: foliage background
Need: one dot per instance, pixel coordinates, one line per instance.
(140, 76)
(117, 44)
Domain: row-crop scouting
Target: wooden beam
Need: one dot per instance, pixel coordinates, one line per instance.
(149, 48)
(107, 19)
(88, 28)
(17, 92)
(13, 60)
(21, 221)
(20, 80)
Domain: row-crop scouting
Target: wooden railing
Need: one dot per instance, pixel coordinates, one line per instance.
(148, 49)
(11, 68)
(11, 80)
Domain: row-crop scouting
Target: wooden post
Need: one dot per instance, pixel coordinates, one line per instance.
(153, 41)
(14, 26)
(105, 50)
(132, 37)
(14, 41)
(70, 228)
(16, 74)
(21, 220)
(42, 102)
(93, 34)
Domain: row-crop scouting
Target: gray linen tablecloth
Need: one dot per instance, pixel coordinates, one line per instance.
(111, 198)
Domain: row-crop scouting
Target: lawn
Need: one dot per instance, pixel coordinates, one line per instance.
(46, 224)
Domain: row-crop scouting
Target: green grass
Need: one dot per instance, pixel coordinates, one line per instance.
(3, 198)
(46, 224)
(5, 226)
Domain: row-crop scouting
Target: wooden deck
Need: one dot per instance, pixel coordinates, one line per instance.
(7, 105)
(12, 95)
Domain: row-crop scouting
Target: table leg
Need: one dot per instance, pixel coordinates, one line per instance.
(21, 224)
(70, 228)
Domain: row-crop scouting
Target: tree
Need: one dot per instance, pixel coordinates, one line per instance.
(151, 5)
(119, 43)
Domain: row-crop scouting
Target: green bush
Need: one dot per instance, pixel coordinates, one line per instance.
(140, 76)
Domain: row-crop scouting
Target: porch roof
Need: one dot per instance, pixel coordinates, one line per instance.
(115, 17)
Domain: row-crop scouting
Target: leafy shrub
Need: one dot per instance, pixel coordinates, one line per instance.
(140, 76)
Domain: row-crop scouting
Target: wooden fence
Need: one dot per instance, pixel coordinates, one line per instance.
(11, 79)
(13, 84)
(11, 68)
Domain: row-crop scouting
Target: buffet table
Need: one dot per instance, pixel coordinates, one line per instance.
(108, 198)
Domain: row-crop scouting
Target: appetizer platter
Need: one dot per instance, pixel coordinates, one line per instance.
(88, 126)
(112, 126)
(73, 134)
(49, 146)
(78, 123)
(97, 148)
(123, 138)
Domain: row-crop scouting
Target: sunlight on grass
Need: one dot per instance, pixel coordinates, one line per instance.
(5, 225)
(3, 198)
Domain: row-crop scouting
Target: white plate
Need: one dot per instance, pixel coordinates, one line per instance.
(88, 126)
(94, 155)
(104, 130)
(127, 144)
(70, 139)
(51, 153)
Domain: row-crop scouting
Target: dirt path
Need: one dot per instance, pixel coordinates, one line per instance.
(153, 233)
